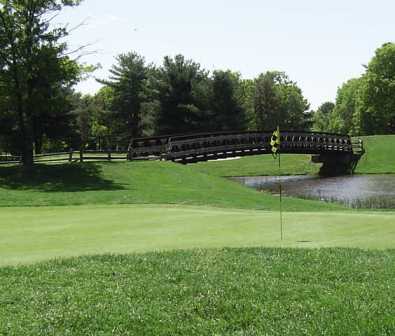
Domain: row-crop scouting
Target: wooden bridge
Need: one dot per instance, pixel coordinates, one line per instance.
(338, 153)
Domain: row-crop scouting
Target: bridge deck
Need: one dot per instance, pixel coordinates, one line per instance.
(203, 147)
(338, 153)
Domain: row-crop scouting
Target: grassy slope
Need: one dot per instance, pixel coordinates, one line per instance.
(380, 155)
(379, 159)
(34, 234)
(158, 182)
(260, 165)
(212, 292)
(137, 182)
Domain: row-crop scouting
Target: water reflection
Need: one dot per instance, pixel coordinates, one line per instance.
(372, 191)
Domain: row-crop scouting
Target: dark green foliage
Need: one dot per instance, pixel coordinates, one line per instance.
(204, 292)
(129, 81)
(227, 108)
(295, 108)
(345, 115)
(378, 93)
(322, 117)
(366, 105)
(279, 102)
(181, 96)
(347, 112)
(51, 103)
(34, 71)
(266, 103)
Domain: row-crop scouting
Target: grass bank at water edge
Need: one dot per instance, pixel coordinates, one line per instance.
(134, 183)
(378, 159)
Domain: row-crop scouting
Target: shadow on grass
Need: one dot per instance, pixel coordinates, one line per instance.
(57, 178)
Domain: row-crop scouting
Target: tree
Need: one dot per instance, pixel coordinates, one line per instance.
(129, 83)
(27, 40)
(267, 102)
(295, 112)
(51, 98)
(247, 97)
(84, 111)
(378, 92)
(182, 96)
(227, 108)
(322, 117)
(104, 127)
(345, 117)
(279, 101)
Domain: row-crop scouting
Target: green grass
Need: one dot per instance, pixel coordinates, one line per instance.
(377, 160)
(210, 292)
(33, 234)
(134, 183)
(260, 165)
(216, 291)
(168, 183)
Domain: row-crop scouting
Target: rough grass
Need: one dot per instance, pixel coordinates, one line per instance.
(34, 234)
(209, 292)
(134, 183)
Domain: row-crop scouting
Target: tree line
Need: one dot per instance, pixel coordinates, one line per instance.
(364, 105)
(41, 111)
(140, 99)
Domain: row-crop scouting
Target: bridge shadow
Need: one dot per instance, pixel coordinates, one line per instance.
(57, 178)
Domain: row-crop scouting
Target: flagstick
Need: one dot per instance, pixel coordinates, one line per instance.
(281, 197)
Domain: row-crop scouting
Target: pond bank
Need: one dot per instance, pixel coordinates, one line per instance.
(357, 191)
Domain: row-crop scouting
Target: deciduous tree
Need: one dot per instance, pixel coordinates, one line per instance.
(378, 92)
(27, 41)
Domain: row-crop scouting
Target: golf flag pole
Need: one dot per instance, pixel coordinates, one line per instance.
(281, 196)
(276, 146)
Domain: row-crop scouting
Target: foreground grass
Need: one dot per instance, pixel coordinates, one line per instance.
(377, 160)
(212, 292)
(34, 234)
(134, 183)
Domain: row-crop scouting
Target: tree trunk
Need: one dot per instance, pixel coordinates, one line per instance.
(27, 155)
(27, 138)
(38, 145)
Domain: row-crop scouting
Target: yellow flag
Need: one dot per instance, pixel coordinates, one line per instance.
(276, 142)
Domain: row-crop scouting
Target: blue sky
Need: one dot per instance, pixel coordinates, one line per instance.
(319, 44)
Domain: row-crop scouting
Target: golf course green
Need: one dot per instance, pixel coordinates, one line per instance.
(72, 231)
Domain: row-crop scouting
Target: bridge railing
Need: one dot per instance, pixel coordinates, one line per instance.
(358, 147)
(182, 147)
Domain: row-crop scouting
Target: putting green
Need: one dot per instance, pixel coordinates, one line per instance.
(33, 234)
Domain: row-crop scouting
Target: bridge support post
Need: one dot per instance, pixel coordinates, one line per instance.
(337, 164)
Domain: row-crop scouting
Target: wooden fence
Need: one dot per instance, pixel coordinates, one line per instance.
(71, 156)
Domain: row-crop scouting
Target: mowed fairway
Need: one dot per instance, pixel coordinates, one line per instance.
(28, 235)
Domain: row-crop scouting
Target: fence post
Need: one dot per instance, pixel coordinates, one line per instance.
(70, 155)
(81, 155)
(109, 154)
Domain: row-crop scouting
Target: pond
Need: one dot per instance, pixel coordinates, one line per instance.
(358, 191)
